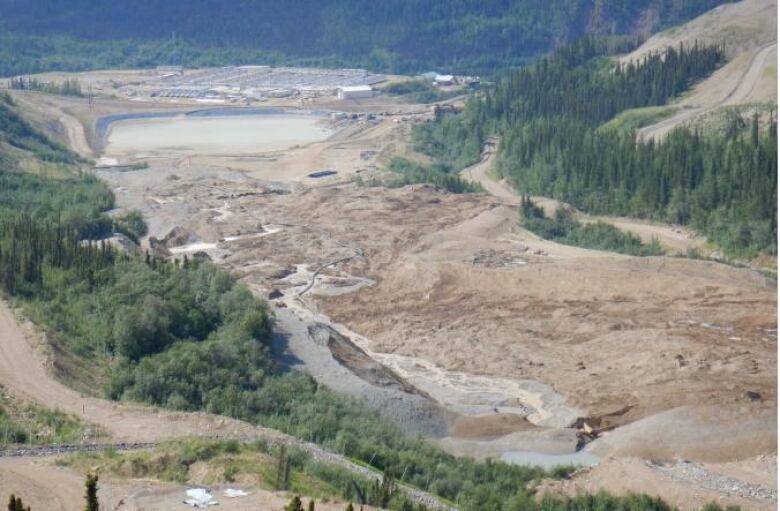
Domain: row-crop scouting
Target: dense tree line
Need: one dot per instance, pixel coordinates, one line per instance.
(551, 119)
(393, 36)
(724, 187)
(562, 228)
(70, 87)
(577, 82)
(573, 83)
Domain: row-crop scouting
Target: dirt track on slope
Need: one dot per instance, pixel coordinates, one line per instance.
(709, 96)
(674, 239)
(748, 29)
(45, 486)
(23, 373)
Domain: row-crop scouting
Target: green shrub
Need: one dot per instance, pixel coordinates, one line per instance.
(131, 224)
(597, 236)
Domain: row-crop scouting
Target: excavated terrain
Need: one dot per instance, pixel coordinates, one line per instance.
(443, 313)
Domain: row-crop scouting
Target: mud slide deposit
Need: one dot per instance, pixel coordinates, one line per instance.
(440, 399)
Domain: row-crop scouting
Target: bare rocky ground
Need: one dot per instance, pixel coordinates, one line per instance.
(685, 484)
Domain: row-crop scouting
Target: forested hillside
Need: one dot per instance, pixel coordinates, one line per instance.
(395, 35)
(556, 141)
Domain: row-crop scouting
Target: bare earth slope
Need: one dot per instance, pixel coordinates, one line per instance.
(24, 374)
(48, 487)
(748, 30)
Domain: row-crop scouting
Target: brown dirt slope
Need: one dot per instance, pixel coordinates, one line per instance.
(748, 29)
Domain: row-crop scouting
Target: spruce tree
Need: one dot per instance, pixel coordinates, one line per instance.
(294, 505)
(91, 493)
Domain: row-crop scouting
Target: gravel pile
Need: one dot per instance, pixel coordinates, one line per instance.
(693, 473)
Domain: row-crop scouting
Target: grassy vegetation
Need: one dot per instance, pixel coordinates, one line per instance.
(18, 133)
(597, 236)
(414, 173)
(635, 118)
(27, 423)
(228, 461)
(420, 91)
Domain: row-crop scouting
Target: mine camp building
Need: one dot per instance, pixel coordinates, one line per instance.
(355, 92)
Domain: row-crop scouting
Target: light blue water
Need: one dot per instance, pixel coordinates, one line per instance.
(579, 458)
(103, 123)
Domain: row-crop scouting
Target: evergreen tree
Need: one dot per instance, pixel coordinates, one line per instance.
(282, 469)
(91, 493)
(551, 116)
(16, 504)
(295, 504)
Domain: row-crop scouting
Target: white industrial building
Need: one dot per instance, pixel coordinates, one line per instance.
(355, 92)
(443, 80)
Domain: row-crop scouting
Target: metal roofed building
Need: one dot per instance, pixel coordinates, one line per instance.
(355, 92)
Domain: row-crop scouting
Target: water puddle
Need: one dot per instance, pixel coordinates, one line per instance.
(266, 232)
(192, 247)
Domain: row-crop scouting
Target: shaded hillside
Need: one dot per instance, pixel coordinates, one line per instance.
(395, 35)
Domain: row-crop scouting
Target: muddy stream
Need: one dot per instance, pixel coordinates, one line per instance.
(549, 441)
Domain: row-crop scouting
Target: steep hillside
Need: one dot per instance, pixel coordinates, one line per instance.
(393, 35)
(748, 32)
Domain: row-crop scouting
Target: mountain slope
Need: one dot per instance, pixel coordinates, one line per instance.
(393, 35)
(748, 32)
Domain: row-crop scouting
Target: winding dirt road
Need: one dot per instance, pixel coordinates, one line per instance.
(479, 173)
(740, 92)
(675, 239)
(23, 373)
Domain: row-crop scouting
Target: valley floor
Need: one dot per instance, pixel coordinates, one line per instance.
(504, 339)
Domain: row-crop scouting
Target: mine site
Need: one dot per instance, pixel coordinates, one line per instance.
(440, 311)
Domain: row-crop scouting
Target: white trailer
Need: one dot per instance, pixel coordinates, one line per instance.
(355, 92)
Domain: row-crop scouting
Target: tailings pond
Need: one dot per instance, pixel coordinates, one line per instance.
(209, 132)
